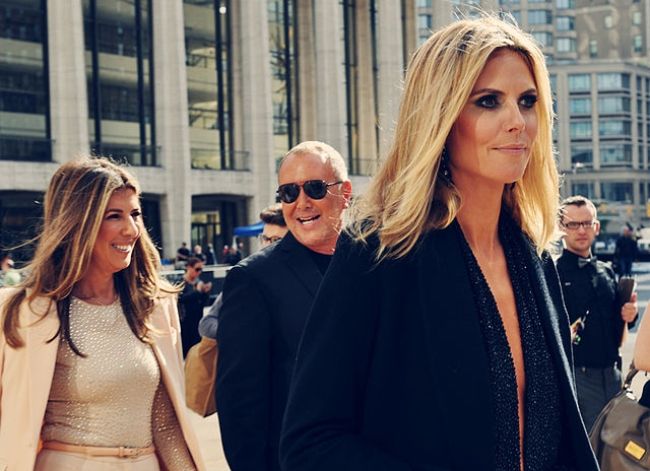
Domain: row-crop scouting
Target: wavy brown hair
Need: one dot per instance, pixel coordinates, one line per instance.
(74, 207)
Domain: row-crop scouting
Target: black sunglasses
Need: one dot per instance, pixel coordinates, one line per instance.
(315, 189)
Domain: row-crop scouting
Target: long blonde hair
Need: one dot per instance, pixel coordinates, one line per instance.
(406, 199)
(74, 207)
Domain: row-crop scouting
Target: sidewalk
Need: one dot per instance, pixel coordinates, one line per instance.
(208, 432)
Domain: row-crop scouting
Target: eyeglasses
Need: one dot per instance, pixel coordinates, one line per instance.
(315, 189)
(199, 269)
(575, 225)
(268, 240)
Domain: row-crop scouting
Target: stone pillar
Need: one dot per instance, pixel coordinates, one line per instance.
(307, 72)
(170, 88)
(330, 74)
(390, 69)
(68, 99)
(256, 118)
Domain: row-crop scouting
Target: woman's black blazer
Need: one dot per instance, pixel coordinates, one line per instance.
(392, 372)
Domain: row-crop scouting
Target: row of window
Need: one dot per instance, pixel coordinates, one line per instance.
(606, 105)
(606, 128)
(606, 81)
(610, 191)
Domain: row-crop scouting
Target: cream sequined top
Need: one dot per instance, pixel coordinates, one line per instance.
(114, 396)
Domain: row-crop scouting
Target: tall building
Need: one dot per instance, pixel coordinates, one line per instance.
(599, 63)
(200, 97)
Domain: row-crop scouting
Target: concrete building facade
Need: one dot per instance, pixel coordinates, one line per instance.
(200, 97)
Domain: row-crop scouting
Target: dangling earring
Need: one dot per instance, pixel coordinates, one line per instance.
(443, 169)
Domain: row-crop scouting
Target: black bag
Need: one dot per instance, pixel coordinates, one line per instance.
(620, 436)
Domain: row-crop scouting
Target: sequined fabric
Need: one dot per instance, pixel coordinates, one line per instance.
(542, 421)
(106, 398)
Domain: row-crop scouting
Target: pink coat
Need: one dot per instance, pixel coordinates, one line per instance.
(26, 376)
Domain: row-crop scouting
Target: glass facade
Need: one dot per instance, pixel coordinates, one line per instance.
(582, 155)
(580, 106)
(540, 17)
(24, 93)
(613, 81)
(283, 19)
(613, 104)
(21, 213)
(616, 154)
(616, 191)
(119, 65)
(614, 127)
(579, 82)
(580, 130)
(208, 63)
(585, 189)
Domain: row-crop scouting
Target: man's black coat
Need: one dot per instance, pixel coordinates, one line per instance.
(266, 300)
(392, 372)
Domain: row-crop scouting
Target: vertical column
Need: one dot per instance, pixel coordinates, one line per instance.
(68, 100)
(307, 71)
(256, 119)
(366, 111)
(390, 67)
(330, 73)
(170, 88)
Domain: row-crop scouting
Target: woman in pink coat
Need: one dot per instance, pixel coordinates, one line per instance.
(90, 363)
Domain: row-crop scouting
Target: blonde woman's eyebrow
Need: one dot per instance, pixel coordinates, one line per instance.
(494, 91)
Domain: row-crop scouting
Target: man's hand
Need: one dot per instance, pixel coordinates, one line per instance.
(630, 309)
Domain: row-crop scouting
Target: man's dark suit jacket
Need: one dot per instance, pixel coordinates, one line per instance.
(392, 373)
(266, 300)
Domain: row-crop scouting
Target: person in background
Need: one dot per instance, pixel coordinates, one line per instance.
(598, 318)
(90, 358)
(8, 276)
(234, 255)
(197, 252)
(274, 230)
(438, 339)
(193, 298)
(626, 251)
(182, 255)
(210, 256)
(266, 299)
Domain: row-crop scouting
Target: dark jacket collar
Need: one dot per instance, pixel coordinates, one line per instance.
(300, 261)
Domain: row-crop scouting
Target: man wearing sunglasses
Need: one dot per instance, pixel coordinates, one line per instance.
(598, 317)
(266, 300)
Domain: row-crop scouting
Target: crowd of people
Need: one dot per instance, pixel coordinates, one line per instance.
(421, 327)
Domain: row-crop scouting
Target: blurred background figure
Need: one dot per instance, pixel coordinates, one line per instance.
(197, 252)
(182, 255)
(191, 301)
(210, 256)
(626, 251)
(233, 256)
(8, 275)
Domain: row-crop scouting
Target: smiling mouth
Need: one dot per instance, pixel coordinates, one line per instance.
(122, 248)
(309, 220)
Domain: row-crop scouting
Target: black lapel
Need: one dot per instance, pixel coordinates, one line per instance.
(456, 349)
(297, 258)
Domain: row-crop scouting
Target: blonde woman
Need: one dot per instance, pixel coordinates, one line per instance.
(642, 345)
(90, 355)
(438, 339)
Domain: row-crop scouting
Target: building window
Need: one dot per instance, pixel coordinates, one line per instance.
(609, 22)
(565, 23)
(120, 79)
(424, 21)
(580, 130)
(582, 155)
(424, 3)
(579, 83)
(585, 189)
(614, 127)
(564, 4)
(613, 81)
(580, 106)
(636, 18)
(616, 191)
(544, 38)
(616, 154)
(593, 48)
(24, 87)
(613, 104)
(284, 67)
(540, 17)
(565, 45)
(638, 43)
(208, 60)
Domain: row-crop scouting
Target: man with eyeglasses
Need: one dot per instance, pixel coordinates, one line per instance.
(598, 317)
(266, 300)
